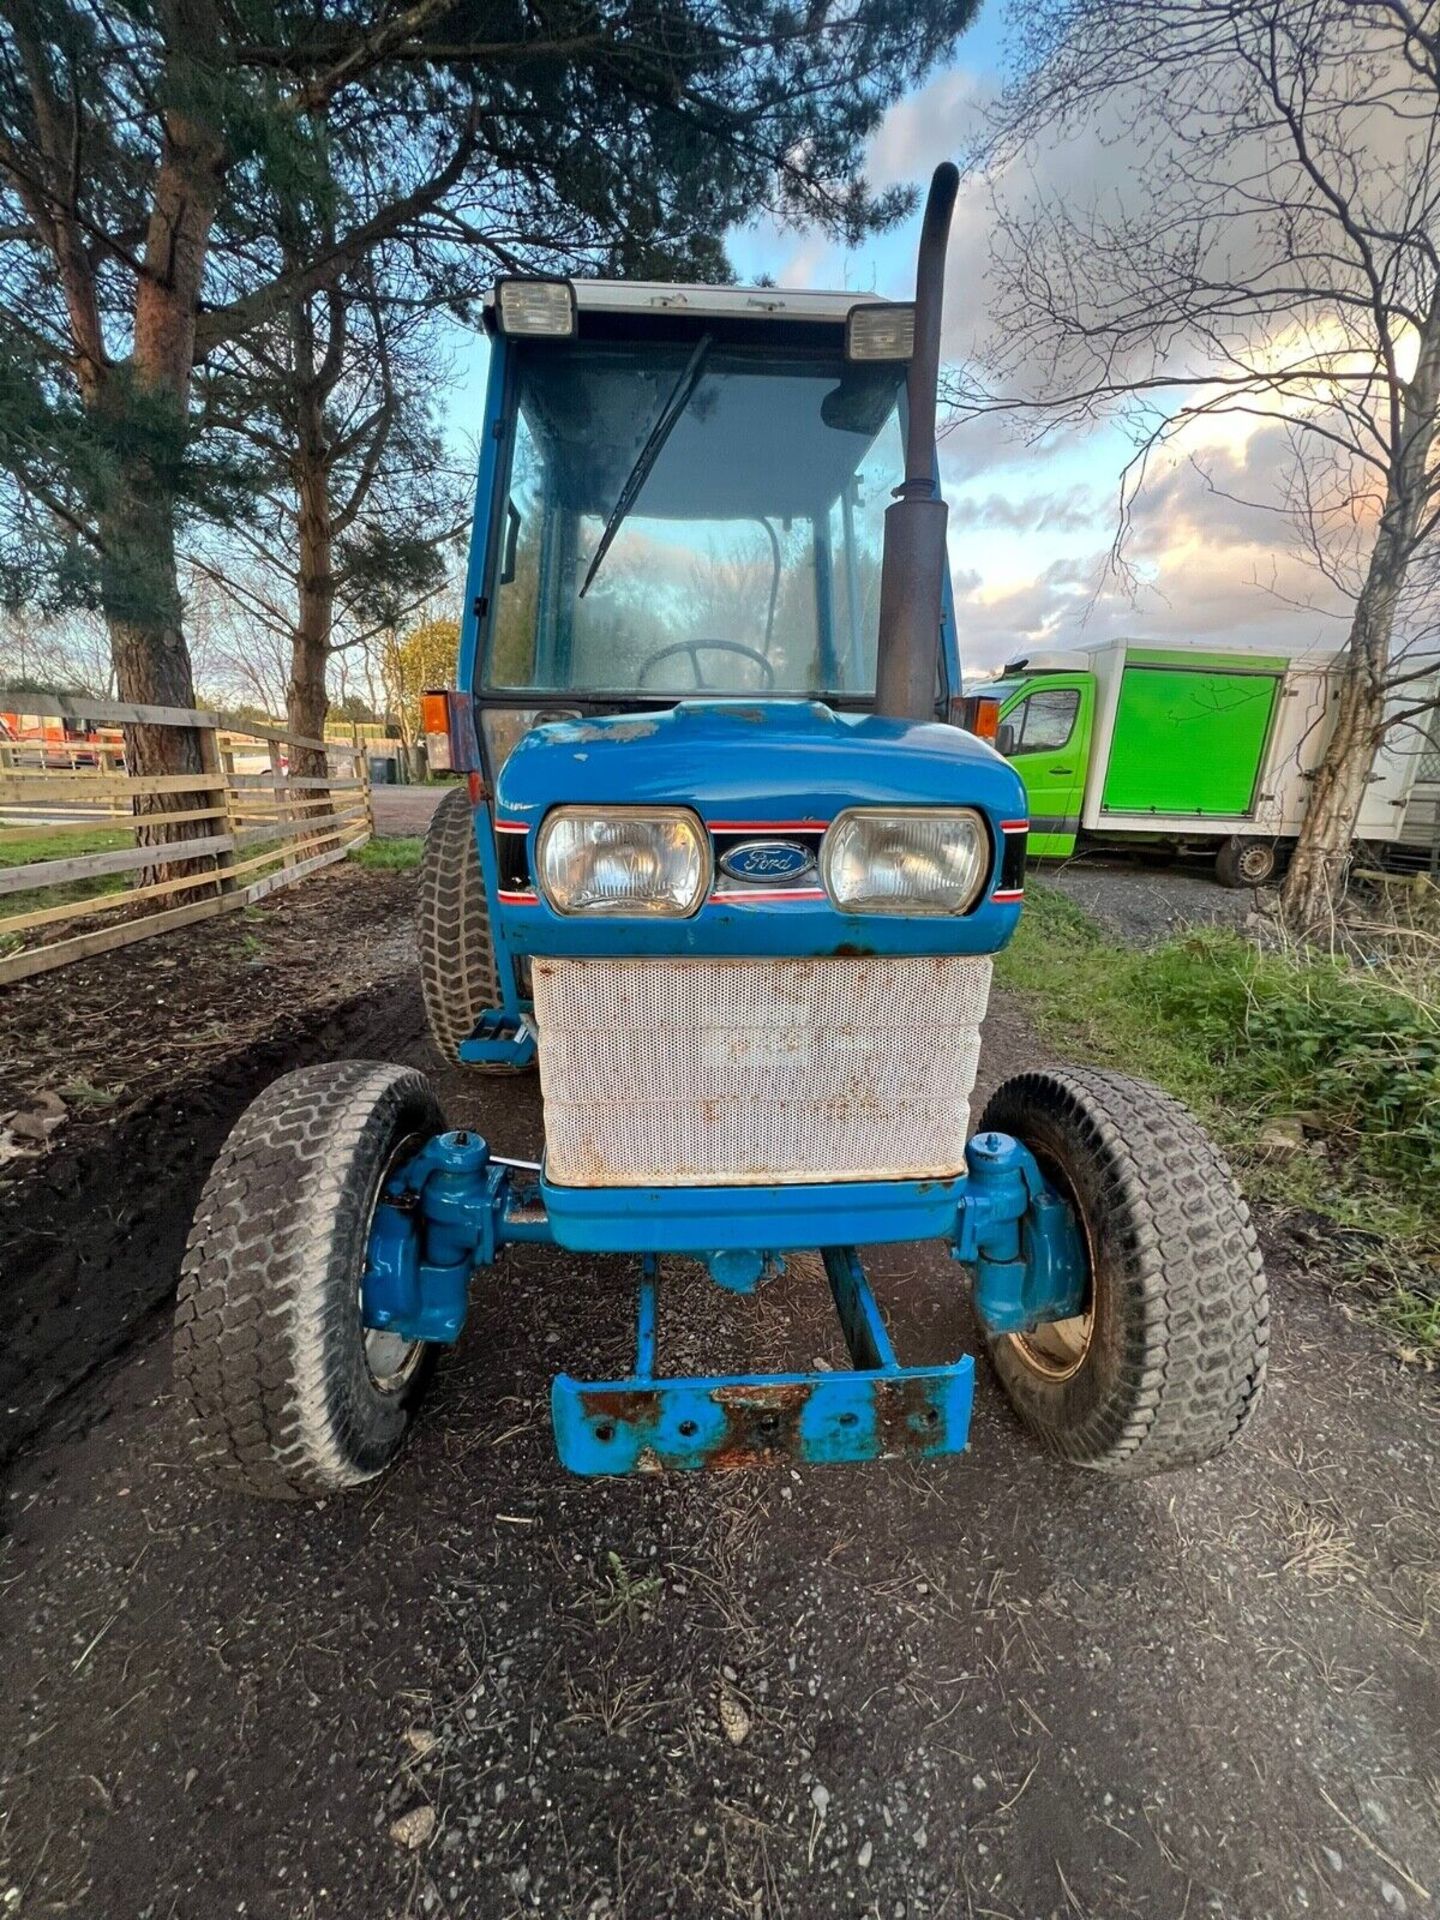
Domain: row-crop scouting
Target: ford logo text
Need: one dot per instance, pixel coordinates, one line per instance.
(766, 863)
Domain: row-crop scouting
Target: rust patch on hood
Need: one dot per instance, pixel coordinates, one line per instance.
(572, 733)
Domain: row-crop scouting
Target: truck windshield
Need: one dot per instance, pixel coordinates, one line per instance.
(740, 499)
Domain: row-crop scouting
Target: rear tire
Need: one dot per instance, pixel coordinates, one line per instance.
(1246, 863)
(1166, 1366)
(459, 976)
(285, 1393)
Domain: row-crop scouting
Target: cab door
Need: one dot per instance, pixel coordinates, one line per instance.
(1046, 730)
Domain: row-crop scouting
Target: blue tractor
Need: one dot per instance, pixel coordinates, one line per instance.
(725, 866)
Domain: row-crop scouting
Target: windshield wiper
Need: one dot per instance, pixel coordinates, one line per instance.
(654, 441)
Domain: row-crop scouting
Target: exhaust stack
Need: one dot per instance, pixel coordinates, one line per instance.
(912, 569)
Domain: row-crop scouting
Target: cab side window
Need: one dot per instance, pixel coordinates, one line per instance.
(1045, 722)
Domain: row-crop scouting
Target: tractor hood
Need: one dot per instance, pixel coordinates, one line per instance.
(756, 771)
(725, 759)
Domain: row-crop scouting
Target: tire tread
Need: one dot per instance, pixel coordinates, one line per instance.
(1196, 1322)
(266, 1321)
(459, 977)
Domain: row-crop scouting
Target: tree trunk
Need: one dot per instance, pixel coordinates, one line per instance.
(141, 597)
(1316, 879)
(1315, 882)
(141, 594)
(307, 698)
(140, 406)
(147, 405)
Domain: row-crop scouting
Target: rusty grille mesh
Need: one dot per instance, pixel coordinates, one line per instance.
(736, 1072)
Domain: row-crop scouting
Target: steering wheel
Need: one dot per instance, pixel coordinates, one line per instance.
(695, 648)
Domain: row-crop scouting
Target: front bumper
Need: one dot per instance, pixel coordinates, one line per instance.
(645, 1425)
(658, 1426)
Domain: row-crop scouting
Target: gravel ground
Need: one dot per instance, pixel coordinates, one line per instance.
(403, 812)
(1145, 903)
(991, 1689)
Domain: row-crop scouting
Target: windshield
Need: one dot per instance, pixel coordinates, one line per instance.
(694, 518)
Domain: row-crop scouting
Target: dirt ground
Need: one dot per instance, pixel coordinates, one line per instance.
(141, 1060)
(987, 1690)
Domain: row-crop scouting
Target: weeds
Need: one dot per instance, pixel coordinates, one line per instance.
(601, 1698)
(1350, 1050)
(1412, 1314)
(83, 1093)
(623, 1598)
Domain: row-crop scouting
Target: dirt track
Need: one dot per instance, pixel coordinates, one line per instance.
(992, 1688)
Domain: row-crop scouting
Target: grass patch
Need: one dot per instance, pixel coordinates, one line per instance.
(1247, 1037)
(21, 849)
(1412, 1316)
(389, 856)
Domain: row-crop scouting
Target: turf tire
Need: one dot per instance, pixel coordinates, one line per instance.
(1180, 1331)
(271, 1370)
(459, 976)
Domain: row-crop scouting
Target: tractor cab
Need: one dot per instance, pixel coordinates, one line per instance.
(723, 871)
(683, 497)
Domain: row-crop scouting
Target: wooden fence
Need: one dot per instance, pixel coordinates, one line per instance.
(257, 826)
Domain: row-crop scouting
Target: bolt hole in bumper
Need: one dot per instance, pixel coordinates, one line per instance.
(451, 1209)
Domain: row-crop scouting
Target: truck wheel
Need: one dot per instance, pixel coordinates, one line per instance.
(286, 1393)
(1166, 1363)
(458, 973)
(1246, 863)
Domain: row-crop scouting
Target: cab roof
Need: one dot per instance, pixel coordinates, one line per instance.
(734, 303)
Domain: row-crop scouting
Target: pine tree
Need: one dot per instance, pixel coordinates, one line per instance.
(143, 150)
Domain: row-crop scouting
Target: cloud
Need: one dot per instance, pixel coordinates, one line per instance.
(808, 265)
(991, 441)
(1069, 511)
(935, 124)
(1214, 563)
(1072, 605)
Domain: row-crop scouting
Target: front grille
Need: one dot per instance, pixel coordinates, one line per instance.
(752, 1072)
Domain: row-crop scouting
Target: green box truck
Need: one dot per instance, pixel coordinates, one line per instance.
(1207, 753)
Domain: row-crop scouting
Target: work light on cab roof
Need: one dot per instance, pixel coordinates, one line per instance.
(722, 859)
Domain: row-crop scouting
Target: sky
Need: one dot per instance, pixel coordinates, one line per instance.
(1032, 525)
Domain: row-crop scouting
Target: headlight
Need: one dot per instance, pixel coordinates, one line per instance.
(624, 860)
(921, 860)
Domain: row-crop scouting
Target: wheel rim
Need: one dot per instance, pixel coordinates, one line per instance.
(1256, 863)
(390, 1359)
(1059, 1349)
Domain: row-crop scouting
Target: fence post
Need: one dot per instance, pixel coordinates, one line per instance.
(283, 812)
(213, 762)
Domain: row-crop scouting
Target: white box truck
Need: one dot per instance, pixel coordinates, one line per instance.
(1205, 752)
